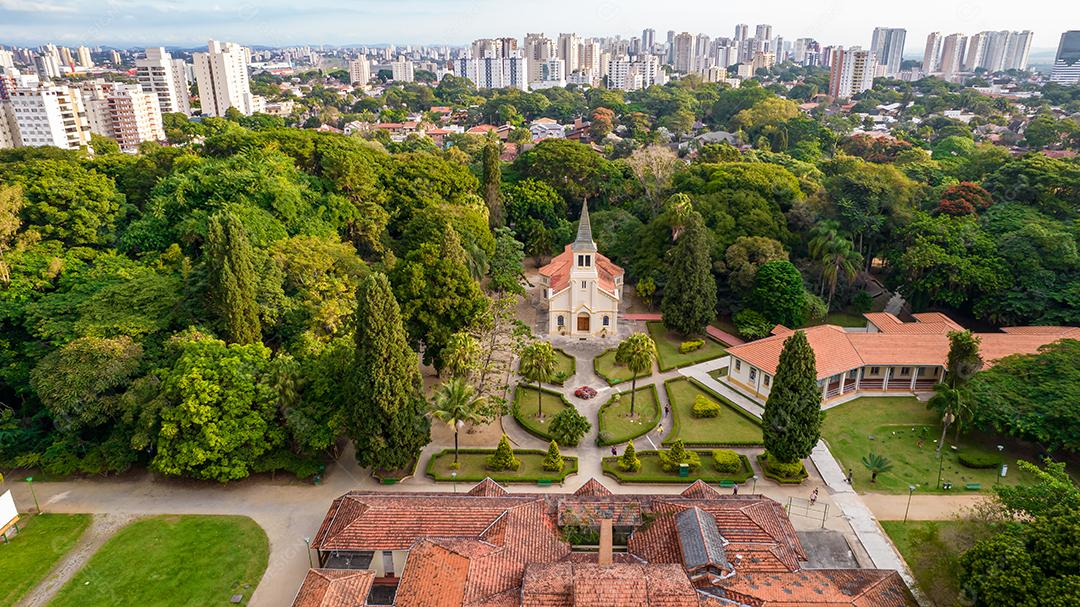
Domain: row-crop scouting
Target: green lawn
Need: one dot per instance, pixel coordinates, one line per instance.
(42, 541)
(651, 472)
(172, 560)
(526, 412)
(729, 428)
(845, 319)
(939, 578)
(616, 425)
(565, 366)
(473, 467)
(667, 348)
(613, 372)
(897, 425)
(718, 373)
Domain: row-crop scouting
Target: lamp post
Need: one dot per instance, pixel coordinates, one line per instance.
(910, 490)
(997, 478)
(307, 542)
(453, 477)
(30, 482)
(754, 490)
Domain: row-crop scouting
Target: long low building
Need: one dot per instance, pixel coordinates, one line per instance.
(492, 548)
(888, 356)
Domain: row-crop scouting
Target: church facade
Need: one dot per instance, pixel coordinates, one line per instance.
(582, 288)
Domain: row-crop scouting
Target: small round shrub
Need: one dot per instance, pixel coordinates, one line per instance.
(677, 455)
(727, 460)
(975, 459)
(751, 324)
(687, 347)
(629, 461)
(783, 469)
(705, 407)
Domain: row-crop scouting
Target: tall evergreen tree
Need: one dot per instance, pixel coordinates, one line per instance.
(233, 282)
(690, 295)
(792, 421)
(387, 423)
(493, 183)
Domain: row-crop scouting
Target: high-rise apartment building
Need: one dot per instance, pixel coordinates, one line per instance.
(742, 31)
(627, 75)
(402, 70)
(932, 54)
(590, 57)
(994, 55)
(569, 51)
(762, 37)
(975, 51)
(683, 53)
(7, 59)
(125, 113)
(47, 114)
(538, 49)
(493, 72)
(84, 57)
(851, 72)
(46, 66)
(222, 76)
(114, 58)
(952, 55)
(1067, 61)
(360, 70)
(552, 74)
(66, 58)
(166, 77)
(648, 40)
(1017, 50)
(887, 44)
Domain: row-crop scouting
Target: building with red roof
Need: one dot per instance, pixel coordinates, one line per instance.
(491, 548)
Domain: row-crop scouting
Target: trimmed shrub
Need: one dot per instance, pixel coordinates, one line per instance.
(687, 347)
(705, 407)
(726, 460)
(751, 324)
(554, 461)
(677, 455)
(568, 426)
(628, 461)
(782, 469)
(974, 459)
(503, 459)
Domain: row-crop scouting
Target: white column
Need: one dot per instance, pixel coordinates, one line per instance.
(885, 382)
(843, 380)
(825, 389)
(914, 376)
(858, 377)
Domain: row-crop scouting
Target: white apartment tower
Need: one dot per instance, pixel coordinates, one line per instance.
(125, 113)
(494, 72)
(46, 114)
(569, 51)
(552, 74)
(7, 59)
(166, 77)
(683, 53)
(952, 54)
(360, 70)
(84, 57)
(538, 49)
(402, 70)
(888, 46)
(932, 54)
(851, 72)
(222, 75)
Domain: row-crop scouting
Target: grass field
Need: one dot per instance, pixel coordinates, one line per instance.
(473, 467)
(613, 372)
(565, 365)
(893, 426)
(729, 428)
(616, 425)
(525, 401)
(651, 472)
(667, 348)
(172, 561)
(942, 581)
(42, 541)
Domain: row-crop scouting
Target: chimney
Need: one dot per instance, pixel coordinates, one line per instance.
(605, 542)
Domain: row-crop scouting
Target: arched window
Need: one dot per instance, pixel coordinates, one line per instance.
(607, 321)
(560, 321)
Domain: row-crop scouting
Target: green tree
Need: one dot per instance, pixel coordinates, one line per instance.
(492, 178)
(503, 458)
(387, 423)
(779, 294)
(645, 289)
(743, 258)
(553, 462)
(876, 464)
(462, 355)
(637, 352)
(232, 279)
(673, 458)
(456, 403)
(792, 420)
(628, 461)
(835, 256)
(507, 270)
(568, 426)
(219, 410)
(538, 363)
(11, 203)
(689, 302)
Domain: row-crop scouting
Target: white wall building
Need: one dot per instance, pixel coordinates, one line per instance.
(360, 70)
(888, 46)
(494, 72)
(538, 49)
(84, 57)
(222, 75)
(166, 77)
(125, 113)
(402, 71)
(851, 72)
(932, 54)
(47, 114)
(569, 51)
(552, 73)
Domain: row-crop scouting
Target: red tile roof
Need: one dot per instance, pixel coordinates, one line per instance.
(821, 588)
(558, 271)
(699, 489)
(334, 588)
(592, 488)
(488, 488)
(620, 585)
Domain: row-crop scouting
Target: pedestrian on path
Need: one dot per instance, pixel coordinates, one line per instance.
(813, 497)
(849, 473)
(614, 451)
(735, 490)
(666, 410)
(660, 429)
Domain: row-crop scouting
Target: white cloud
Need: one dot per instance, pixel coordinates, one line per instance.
(33, 6)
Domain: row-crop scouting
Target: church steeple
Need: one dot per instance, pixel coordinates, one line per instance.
(584, 241)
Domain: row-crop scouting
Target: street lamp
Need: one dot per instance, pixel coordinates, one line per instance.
(307, 542)
(1001, 449)
(910, 490)
(453, 477)
(754, 490)
(30, 482)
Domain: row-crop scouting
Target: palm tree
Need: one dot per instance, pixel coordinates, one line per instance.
(457, 404)
(876, 464)
(679, 209)
(949, 396)
(637, 352)
(840, 258)
(538, 364)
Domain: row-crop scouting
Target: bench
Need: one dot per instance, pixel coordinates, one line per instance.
(973, 486)
(544, 482)
(727, 484)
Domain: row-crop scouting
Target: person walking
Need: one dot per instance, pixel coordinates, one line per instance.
(813, 497)
(614, 451)
(735, 490)
(660, 429)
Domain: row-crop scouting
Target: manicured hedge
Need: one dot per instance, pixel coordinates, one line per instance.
(651, 472)
(603, 439)
(531, 470)
(675, 418)
(526, 423)
(763, 461)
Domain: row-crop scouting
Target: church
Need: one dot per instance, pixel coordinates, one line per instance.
(582, 288)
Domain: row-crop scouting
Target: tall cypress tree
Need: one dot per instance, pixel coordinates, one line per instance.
(690, 295)
(792, 421)
(387, 423)
(232, 279)
(492, 183)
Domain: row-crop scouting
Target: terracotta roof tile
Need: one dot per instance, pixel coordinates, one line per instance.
(699, 489)
(592, 488)
(578, 512)
(823, 587)
(557, 271)
(488, 488)
(334, 588)
(618, 585)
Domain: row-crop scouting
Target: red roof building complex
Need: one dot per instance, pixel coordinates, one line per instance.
(888, 356)
(491, 548)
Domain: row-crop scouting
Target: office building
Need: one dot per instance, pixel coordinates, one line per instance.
(166, 77)
(123, 112)
(569, 51)
(538, 49)
(952, 54)
(402, 70)
(49, 115)
(360, 71)
(888, 47)
(84, 57)
(1067, 61)
(851, 72)
(494, 72)
(222, 76)
(932, 54)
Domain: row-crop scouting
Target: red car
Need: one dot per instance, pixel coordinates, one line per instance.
(585, 392)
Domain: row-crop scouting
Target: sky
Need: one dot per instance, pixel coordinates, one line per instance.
(189, 23)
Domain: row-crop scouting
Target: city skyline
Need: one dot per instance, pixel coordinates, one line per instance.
(123, 23)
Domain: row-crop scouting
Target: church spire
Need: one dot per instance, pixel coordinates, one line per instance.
(584, 241)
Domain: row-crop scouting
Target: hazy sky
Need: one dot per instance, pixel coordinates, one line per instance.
(283, 22)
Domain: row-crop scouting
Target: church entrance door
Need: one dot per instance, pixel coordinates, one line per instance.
(583, 323)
